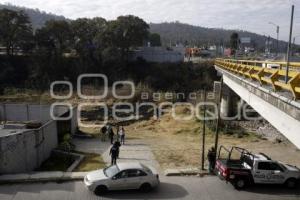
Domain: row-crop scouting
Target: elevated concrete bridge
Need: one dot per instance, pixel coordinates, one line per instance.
(265, 90)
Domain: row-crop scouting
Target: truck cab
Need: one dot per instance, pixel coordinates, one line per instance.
(251, 168)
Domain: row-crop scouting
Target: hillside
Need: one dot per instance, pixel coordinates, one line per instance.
(176, 32)
(37, 17)
(173, 32)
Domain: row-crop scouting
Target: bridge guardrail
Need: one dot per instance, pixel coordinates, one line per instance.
(265, 76)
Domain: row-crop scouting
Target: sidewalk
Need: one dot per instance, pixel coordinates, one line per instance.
(42, 177)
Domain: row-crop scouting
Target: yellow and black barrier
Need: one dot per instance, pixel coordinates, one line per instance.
(258, 71)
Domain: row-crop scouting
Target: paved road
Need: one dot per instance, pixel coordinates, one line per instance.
(207, 188)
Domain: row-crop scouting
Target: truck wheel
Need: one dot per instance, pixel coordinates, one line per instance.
(240, 184)
(291, 183)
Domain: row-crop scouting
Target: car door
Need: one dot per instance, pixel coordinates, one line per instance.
(135, 178)
(262, 173)
(277, 173)
(119, 181)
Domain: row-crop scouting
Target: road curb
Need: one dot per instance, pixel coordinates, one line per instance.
(42, 177)
(186, 172)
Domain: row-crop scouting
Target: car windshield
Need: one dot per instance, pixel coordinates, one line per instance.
(282, 166)
(111, 171)
(149, 171)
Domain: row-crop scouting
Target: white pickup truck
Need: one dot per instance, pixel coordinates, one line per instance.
(251, 168)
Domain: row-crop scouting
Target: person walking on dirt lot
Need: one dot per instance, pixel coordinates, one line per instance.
(111, 135)
(122, 135)
(114, 154)
(103, 133)
(211, 156)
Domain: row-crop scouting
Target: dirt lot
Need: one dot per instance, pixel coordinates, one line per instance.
(177, 144)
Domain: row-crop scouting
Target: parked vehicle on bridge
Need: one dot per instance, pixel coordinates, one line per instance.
(270, 65)
(242, 168)
(122, 176)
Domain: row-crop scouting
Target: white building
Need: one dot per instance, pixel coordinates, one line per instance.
(158, 54)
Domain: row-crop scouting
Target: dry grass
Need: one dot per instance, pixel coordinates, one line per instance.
(90, 162)
(178, 144)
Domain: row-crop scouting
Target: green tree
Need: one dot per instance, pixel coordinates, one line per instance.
(15, 31)
(88, 35)
(126, 32)
(55, 37)
(155, 40)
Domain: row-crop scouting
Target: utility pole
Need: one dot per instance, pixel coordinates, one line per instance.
(219, 116)
(294, 44)
(203, 132)
(277, 32)
(289, 46)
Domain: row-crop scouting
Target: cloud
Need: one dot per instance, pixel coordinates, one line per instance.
(252, 15)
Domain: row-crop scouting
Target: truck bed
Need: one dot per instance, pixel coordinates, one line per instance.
(232, 164)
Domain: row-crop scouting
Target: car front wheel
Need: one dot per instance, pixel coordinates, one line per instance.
(100, 189)
(291, 183)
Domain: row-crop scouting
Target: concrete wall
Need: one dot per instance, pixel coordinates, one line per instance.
(31, 112)
(25, 151)
(74, 121)
(24, 112)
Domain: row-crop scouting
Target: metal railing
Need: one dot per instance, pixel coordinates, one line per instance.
(259, 71)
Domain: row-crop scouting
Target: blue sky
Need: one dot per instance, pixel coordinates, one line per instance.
(251, 15)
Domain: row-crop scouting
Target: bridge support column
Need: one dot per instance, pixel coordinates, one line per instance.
(228, 102)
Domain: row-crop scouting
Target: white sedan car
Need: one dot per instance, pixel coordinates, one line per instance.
(123, 176)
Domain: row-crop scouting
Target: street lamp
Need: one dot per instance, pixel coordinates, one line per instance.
(277, 31)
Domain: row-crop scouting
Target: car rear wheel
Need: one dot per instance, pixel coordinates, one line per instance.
(100, 189)
(240, 184)
(145, 187)
(291, 183)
